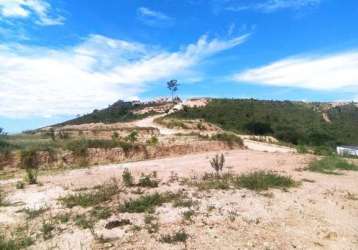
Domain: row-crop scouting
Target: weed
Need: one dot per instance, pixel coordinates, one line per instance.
(100, 213)
(83, 222)
(217, 163)
(187, 215)
(262, 180)
(86, 199)
(153, 141)
(63, 217)
(180, 236)
(46, 229)
(20, 185)
(330, 165)
(127, 178)
(147, 181)
(147, 203)
(31, 175)
(151, 223)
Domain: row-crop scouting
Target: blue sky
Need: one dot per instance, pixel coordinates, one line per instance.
(60, 58)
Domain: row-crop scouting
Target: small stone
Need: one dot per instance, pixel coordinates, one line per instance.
(331, 236)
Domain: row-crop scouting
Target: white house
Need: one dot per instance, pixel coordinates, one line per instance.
(347, 150)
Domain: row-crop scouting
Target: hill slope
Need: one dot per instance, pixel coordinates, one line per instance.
(293, 122)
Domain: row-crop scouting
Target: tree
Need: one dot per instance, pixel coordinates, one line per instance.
(173, 87)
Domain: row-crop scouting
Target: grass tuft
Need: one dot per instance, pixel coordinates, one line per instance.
(330, 165)
(263, 180)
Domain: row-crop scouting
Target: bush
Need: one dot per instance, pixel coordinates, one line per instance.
(217, 163)
(262, 180)
(127, 178)
(78, 147)
(153, 141)
(31, 175)
(229, 138)
(147, 181)
(330, 165)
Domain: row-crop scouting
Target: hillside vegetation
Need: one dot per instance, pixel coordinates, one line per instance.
(118, 112)
(291, 122)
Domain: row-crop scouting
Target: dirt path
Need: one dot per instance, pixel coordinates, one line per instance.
(149, 122)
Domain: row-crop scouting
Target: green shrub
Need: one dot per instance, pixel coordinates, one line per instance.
(147, 181)
(127, 178)
(153, 141)
(47, 229)
(147, 203)
(143, 204)
(330, 165)
(229, 138)
(78, 147)
(20, 185)
(132, 137)
(217, 163)
(301, 149)
(31, 175)
(181, 236)
(262, 180)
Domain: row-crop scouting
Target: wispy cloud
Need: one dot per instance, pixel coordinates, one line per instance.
(266, 6)
(45, 82)
(154, 18)
(324, 72)
(38, 10)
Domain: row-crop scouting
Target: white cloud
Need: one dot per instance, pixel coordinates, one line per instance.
(23, 9)
(154, 18)
(44, 82)
(325, 72)
(266, 6)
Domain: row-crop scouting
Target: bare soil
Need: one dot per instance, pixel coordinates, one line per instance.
(318, 214)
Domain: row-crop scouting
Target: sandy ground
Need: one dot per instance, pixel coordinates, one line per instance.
(319, 214)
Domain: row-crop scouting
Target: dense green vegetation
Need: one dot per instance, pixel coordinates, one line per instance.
(292, 122)
(118, 112)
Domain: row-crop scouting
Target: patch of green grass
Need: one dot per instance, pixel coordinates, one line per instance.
(147, 203)
(259, 180)
(100, 213)
(82, 221)
(63, 217)
(91, 198)
(180, 236)
(263, 180)
(330, 165)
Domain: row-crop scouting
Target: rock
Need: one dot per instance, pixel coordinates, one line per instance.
(331, 236)
(117, 223)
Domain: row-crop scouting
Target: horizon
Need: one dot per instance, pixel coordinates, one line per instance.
(63, 58)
